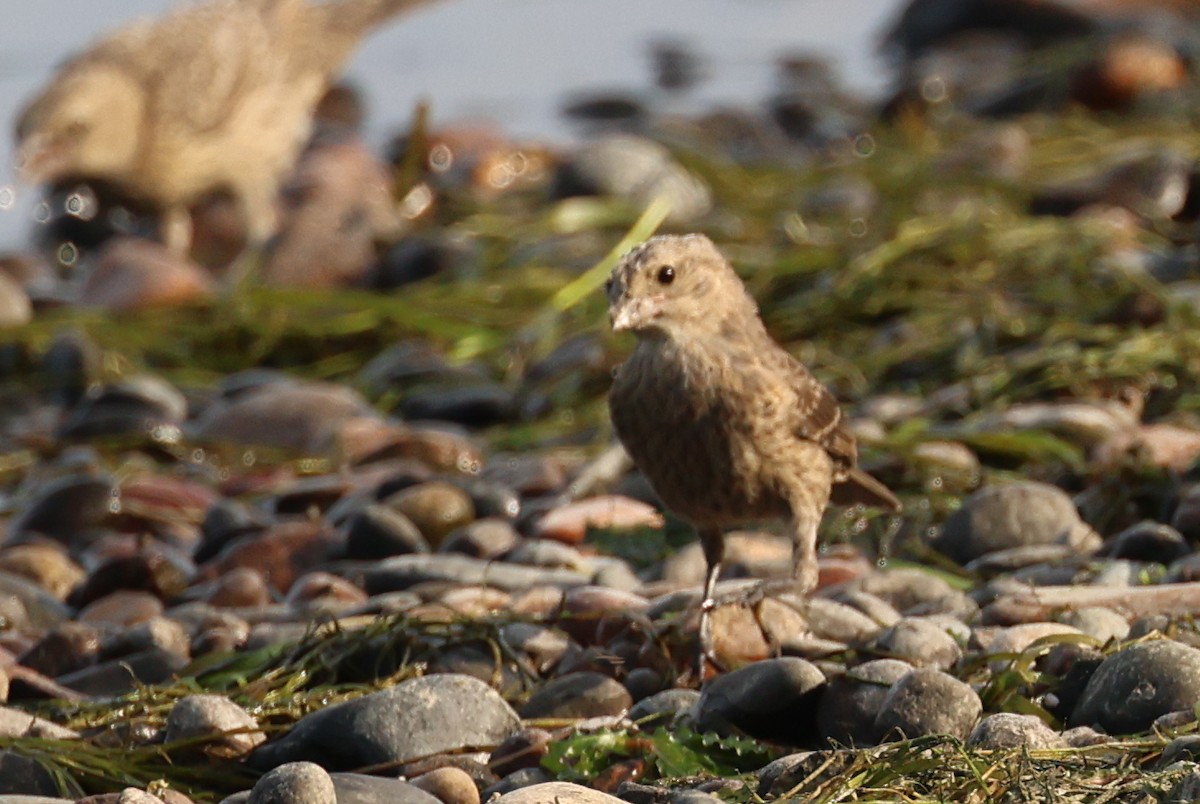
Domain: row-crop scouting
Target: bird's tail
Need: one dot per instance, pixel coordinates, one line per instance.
(360, 16)
(859, 488)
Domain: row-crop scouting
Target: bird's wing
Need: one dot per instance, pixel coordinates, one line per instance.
(199, 61)
(810, 411)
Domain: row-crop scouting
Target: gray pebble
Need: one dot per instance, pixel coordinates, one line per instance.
(1137, 684)
(416, 718)
(578, 695)
(1011, 730)
(197, 716)
(928, 701)
(917, 641)
(1013, 514)
(292, 783)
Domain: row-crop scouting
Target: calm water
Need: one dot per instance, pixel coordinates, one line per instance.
(506, 61)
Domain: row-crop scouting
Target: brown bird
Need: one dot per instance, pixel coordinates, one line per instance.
(216, 96)
(726, 425)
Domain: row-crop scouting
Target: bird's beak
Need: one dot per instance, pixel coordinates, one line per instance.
(633, 314)
(37, 159)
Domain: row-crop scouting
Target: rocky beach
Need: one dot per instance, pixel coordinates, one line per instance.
(341, 517)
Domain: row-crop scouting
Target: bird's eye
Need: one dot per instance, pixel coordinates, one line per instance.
(608, 283)
(666, 275)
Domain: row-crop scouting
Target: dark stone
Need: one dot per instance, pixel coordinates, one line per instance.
(775, 699)
(1136, 685)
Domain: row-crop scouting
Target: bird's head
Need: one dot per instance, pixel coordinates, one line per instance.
(86, 124)
(676, 285)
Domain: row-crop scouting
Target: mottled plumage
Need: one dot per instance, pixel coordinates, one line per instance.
(213, 96)
(725, 424)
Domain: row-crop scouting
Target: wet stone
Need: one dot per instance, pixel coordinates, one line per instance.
(137, 405)
(66, 508)
(1147, 541)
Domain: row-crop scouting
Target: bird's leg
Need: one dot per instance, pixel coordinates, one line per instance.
(175, 228)
(802, 527)
(713, 542)
(803, 530)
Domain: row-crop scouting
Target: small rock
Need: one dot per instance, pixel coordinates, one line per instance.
(848, 708)
(416, 718)
(45, 563)
(578, 695)
(214, 716)
(133, 274)
(292, 783)
(477, 405)
(928, 701)
(301, 417)
(1147, 541)
(558, 792)
(436, 508)
(1099, 622)
(667, 705)
(1011, 730)
(484, 538)
(450, 785)
(569, 523)
(1138, 684)
(775, 699)
(638, 170)
(1009, 515)
(917, 641)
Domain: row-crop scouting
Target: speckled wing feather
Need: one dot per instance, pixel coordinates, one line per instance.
(816, 416)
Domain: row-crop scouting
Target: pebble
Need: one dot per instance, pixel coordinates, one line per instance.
(416, 718)
(635, 169)
(577, 696)
(774, 699)
(928, 701)
(1011, 730)
(294, 782)
(436, 509)
(848, 708)
(917, 641)
(131, 274)
(558, 792)
(208, 716)
(1010, 515)
(1139, 683)
(449, 785)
